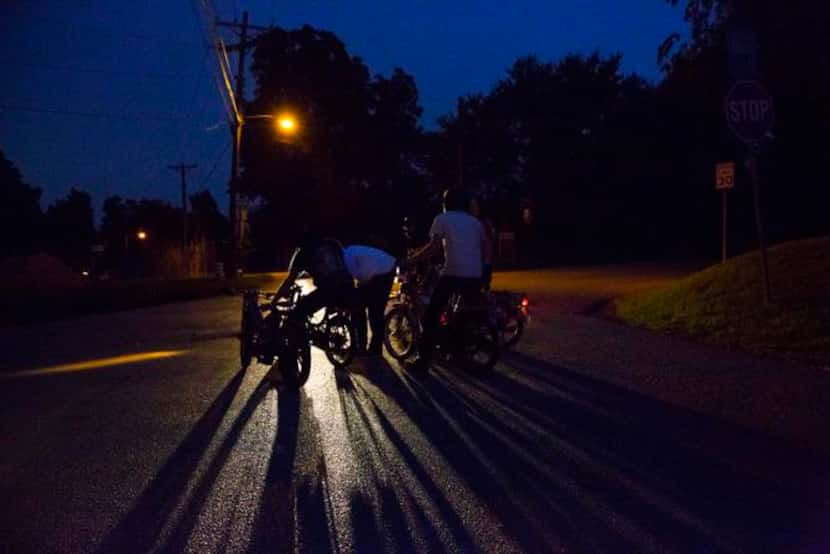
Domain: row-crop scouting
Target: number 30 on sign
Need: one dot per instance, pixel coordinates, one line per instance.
(725, 176)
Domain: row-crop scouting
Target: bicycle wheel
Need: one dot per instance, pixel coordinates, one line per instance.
(400, 332)
(340, 341)
(295, 358)
(480, 344)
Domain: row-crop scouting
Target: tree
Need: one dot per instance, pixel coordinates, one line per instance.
(114, 229)
(310, 73)
(20, 213)
(573, 140)
(70, 228)
(206, 221)
(794, 64)
(123, 219)
(357, 141)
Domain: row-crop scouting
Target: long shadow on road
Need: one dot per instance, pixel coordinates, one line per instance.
(140, 529)
(293, 513)
(560, 461)
(163, 504)
(388, 502)
(565, 461)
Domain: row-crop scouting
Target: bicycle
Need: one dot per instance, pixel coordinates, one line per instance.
(270, 337)
(466, 332)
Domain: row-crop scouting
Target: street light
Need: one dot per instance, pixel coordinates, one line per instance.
(141, 235)
(286, 124)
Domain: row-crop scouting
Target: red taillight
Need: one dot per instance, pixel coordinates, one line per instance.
(525, 302)
(444, 319)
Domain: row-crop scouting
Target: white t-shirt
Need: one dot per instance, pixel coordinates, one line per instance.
(462, 235)
(365, 262)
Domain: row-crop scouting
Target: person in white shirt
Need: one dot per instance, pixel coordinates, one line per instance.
(374, 271)
(463, 240)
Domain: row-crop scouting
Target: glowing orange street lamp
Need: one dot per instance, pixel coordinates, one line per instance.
(286, 124)
(141, 235)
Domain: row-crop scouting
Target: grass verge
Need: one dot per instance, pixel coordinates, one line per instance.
(723, 304)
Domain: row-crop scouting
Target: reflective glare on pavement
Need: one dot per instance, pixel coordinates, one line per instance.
(375, 459)
(186, 453)
(94, 364)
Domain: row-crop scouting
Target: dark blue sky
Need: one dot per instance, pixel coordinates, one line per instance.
(138, 81)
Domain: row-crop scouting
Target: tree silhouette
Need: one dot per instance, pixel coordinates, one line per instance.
(123, 219)
(358, 137)
(206, 221)
(573, 140)
(793, 59)
(20, 213)
(70, 229)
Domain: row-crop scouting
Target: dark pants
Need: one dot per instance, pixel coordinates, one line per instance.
(372, 297)
(445, 288)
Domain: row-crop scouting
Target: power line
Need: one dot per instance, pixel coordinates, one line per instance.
(216, 163)
(74, 4)
(106, 30)
(54, 67)
(135, 116)
(198, 107)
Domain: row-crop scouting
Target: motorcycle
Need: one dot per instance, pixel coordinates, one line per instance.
(466, 333)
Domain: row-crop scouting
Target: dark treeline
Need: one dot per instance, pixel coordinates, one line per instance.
(579, 160)
(573, 158)
(66, 228)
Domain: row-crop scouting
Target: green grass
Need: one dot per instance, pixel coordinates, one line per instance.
(723, 304)
(28, 305)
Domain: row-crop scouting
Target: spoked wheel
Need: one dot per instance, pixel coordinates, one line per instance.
(481, 345)
(400, 333)
(340, 340)
(512, 331)
(295, 358)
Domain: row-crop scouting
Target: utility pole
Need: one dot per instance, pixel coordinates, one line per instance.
(236, 132)
(183, 168)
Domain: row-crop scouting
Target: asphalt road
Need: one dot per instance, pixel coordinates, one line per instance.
(136, 432)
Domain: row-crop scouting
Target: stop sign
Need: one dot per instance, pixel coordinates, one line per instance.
(749, 111)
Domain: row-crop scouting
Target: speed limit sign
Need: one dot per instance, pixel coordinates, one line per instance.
(725, 176)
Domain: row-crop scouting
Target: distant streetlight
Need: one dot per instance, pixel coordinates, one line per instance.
(141, 235)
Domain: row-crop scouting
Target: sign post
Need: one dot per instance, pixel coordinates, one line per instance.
(750, 115)
(724, 180)
(752, 166)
